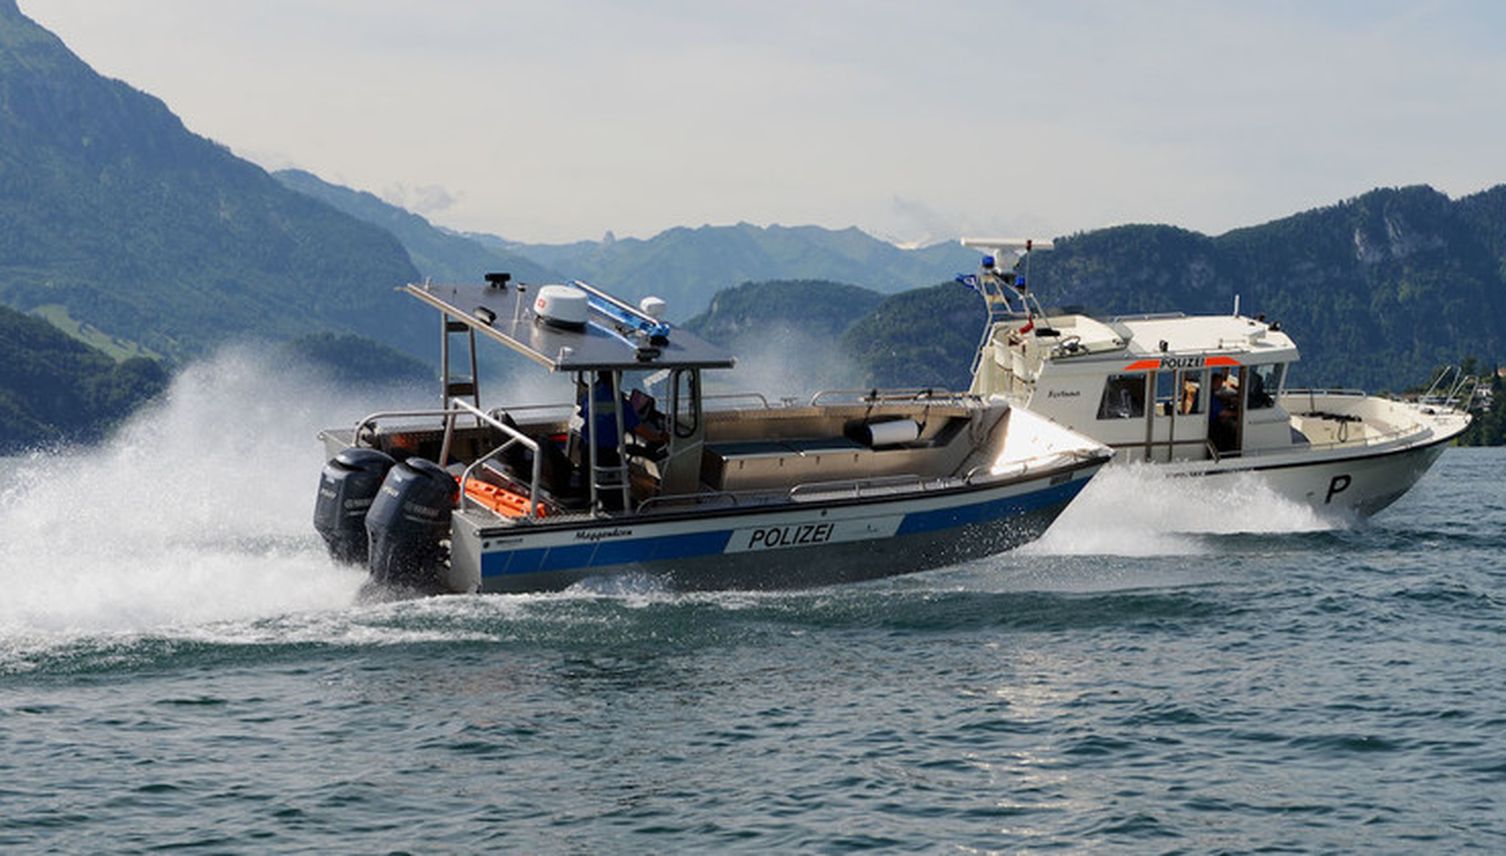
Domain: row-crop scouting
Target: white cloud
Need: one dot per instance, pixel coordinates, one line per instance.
(425, 199)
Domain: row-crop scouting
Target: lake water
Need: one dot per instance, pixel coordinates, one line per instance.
(1167, 670)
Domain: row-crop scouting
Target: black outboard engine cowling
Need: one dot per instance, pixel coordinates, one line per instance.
(347, 486)
(407, 522)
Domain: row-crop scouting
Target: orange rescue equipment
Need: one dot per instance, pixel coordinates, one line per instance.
(501, 500)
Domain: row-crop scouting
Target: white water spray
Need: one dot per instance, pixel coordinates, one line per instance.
(781, 361)
(1138, 510)
(199, 510)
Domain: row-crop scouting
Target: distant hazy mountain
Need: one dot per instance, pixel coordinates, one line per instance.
(441, 255)
(117, 220)
(687, 267)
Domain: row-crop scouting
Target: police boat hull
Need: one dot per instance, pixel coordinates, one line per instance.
(724, 491)
(1205, 396)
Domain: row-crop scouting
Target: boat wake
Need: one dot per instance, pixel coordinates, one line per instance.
(1139, 511)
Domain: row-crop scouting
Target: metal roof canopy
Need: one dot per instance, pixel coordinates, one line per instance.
(506, 315)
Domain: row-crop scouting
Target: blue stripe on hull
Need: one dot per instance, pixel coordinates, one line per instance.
(962, 515)
(698, 544)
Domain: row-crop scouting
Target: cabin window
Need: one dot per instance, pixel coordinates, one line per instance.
(1123, 397)
(1166, 393)
(1190, 385)
(687, 403)
(1265, 383)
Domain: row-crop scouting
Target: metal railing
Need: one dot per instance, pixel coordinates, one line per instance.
(895, 396)
(1148, 316)
(854, 396)
(449, 414)
(1350, 393)
(1362, 442)
(524, 408)
(514, 437)
(734, 396)
(1451, 389)
(981, 474)
(371, 420)
(856, 486)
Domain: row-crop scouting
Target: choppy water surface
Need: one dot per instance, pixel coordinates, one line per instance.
(1165, 671)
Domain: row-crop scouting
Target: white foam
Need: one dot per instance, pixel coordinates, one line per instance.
(782, 361)
(198, 510)
(1138, 510)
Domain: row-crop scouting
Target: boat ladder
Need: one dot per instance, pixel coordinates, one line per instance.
(458, 387)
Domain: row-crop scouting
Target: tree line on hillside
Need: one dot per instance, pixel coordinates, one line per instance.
(56, 390)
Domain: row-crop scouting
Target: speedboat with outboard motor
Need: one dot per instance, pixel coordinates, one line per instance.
(1201, 395)
(712, 491)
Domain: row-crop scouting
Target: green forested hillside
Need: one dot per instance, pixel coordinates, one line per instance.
(822, 309)
(55, 389)
(115, 215)
(921, 338)
(1375, 290)
(1489, 427)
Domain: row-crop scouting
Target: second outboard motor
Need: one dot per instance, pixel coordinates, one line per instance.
(407, 522)
(347, 486)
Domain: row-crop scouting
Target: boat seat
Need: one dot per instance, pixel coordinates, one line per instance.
(757, 448)
(760, 464)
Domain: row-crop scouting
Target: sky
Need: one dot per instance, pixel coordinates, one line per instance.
(561, 120)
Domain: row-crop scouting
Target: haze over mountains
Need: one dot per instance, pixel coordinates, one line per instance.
(136, 236)
(683, 266)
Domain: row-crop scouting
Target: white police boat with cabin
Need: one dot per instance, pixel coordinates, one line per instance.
(1202, 395)
(727, 490)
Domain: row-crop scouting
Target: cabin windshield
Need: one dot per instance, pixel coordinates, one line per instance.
(1265, 383)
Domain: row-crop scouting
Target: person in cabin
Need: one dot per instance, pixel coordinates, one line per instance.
(1223, 412)
(604, 433)
(1258, 398)
(1190, 390)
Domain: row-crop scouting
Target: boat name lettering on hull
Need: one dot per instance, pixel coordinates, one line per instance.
(602, 534)
(784, 535)
(1337, 485)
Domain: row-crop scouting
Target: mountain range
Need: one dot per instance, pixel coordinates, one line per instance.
(1378, 291)
(141, 239)
(118, 223)
(685, 267)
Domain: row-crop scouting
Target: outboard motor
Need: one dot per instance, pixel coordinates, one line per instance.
(407, 522)
(347, 486)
